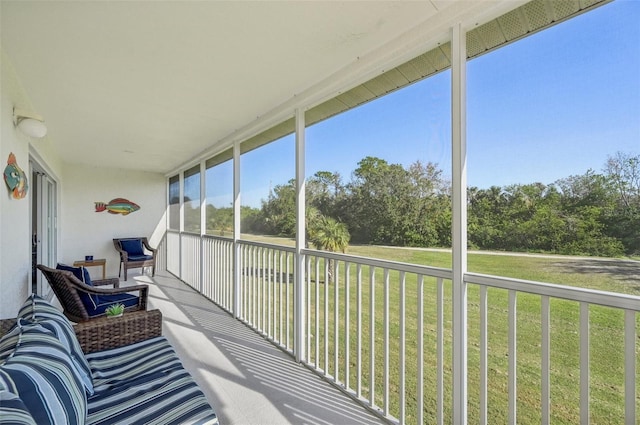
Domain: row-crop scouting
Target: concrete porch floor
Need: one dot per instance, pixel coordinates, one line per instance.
(246, 379)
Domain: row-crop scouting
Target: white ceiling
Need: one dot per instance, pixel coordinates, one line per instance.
(149, 85)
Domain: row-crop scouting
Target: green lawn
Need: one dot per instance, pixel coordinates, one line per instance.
(606, 334)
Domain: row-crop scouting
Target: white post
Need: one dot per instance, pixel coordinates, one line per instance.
(299, 301)
(236, 231)
(459, 225)
(203, 219)
(181, 224)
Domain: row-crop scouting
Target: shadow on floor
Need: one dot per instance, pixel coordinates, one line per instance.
(246, 378)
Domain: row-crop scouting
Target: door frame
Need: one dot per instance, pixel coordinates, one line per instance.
(43, 223)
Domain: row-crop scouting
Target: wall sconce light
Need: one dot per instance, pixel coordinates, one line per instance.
(29, 123)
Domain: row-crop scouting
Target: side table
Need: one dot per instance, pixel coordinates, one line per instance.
(93, 263)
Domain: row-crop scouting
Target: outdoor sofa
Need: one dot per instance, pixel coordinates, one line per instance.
(104, 371)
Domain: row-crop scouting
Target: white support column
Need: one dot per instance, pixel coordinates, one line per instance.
(181, 176)
(459, 225)
(203, 219)
(236, 230)
(203, 198)
(299, 301)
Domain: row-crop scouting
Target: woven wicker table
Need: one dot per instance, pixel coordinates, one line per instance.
(105, 333)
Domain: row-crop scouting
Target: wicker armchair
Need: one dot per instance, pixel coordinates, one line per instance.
(133, 255)
(81, 302)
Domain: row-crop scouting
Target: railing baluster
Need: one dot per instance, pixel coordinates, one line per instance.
(281, 266)
(630, 366)
(288, 273)
(512, 357)
(218, 273)
(246, 272)
(359, 330)
(546, 360)
(263, 290)
(372, 336)
(317, 314)
(270, 272)
(221, 266)
(385, 394)
(309, 334)
(347, 323)
(420, 351)
(326, 317)
(336, 322)
(219, 296)
(584, 363)
(254, 285)
(440, 354)
(483, 355)
(228, 260)
(402, 377)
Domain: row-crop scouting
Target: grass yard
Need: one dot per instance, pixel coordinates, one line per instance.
(606, 334)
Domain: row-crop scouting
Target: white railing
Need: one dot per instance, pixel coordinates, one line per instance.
(191, 260)
(204, 263)
(217, 270)
(172, 242)
(597, 341)
(267, 290)
(368, 324)
(382, 332)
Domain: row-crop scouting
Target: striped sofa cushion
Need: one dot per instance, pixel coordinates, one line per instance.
(41, 374)
(13, 411)
(111, 368)
(145, 383)
(39, 310)
(9, 342)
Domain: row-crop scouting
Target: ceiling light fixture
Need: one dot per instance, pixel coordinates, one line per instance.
(29, 123)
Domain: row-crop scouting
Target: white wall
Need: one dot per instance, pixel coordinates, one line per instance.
(87, 232)
(15, 239)
(14, 226)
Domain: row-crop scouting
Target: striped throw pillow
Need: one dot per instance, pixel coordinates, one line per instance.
(13, 410)
(39, 310)
(40, 372)
(8, 342)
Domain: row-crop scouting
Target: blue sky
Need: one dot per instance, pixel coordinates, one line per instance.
(549, 106)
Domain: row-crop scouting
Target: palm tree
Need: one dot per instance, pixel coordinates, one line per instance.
(328, 234)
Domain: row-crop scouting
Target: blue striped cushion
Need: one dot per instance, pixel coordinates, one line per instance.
(39, 310)
(8, 342)
(111, 367)
(41, 373)
(145, 383)
(13, 411)
(170, 397)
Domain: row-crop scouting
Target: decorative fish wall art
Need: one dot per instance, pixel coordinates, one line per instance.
(15, 178)
(117, 206)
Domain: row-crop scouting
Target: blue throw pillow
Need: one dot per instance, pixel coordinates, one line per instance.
(89, 300)
(132, 246)
(80, 272)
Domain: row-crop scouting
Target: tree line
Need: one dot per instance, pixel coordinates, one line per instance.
(388, 204)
